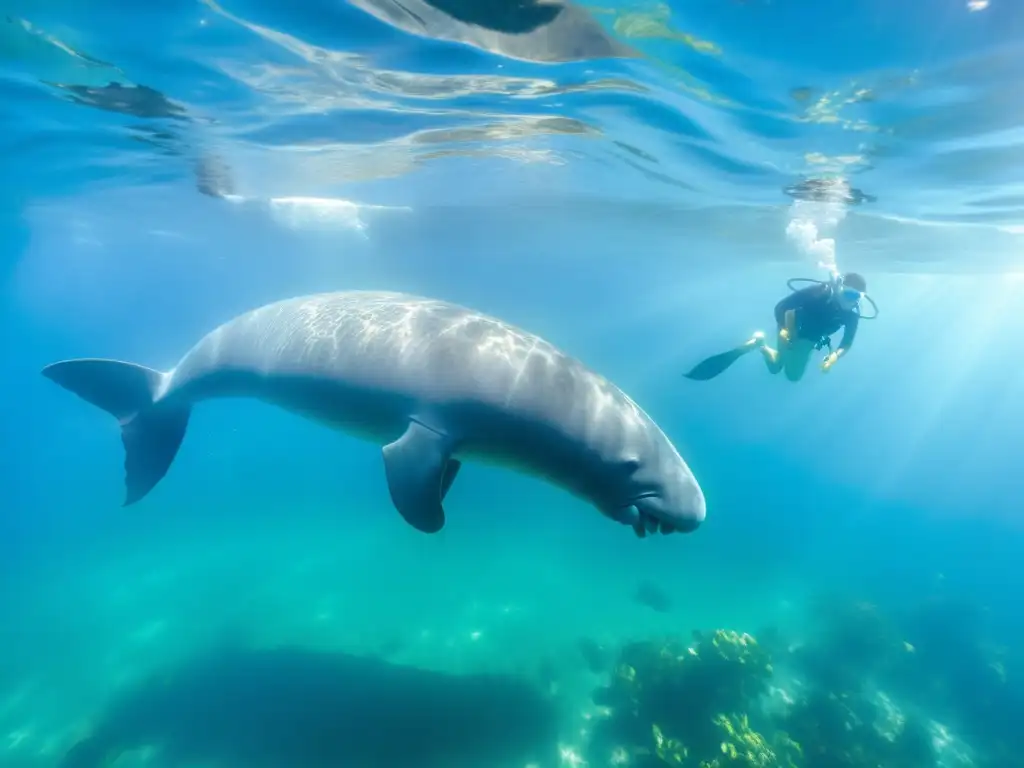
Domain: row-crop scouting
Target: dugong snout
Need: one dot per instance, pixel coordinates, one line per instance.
(679, 511)
(683, 512)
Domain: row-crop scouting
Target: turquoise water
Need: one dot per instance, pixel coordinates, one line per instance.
(635, 182)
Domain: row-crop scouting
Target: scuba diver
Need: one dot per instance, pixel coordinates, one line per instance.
(806, 320)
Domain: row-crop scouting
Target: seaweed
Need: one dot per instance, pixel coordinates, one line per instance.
(674, 703)
(706, 705)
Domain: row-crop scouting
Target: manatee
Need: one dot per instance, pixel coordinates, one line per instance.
(432, 382)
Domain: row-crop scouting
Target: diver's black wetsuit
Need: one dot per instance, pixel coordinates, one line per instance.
(817, 315)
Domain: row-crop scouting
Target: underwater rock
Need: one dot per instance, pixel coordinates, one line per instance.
(678, 704)
(963, 672)
(548, 675)
(842, 731)
(848, 691)
(290, 707)
(867, 680)
(772, 639)
(721, 700)
(392, 646)
(653, 596)
(595, 656)
(743, 747)
(853, 643)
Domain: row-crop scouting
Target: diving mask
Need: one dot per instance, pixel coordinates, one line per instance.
(850, 295)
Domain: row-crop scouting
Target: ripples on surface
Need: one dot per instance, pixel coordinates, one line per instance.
(733, 103)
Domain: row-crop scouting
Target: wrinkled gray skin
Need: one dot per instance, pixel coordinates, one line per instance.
(368, 363)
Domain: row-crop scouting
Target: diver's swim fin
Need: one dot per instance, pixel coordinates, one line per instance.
(716, 364)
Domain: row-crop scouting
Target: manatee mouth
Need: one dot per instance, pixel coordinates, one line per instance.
(644, 519)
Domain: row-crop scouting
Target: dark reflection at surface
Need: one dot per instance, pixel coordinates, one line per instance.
(515, 17)
(534, 30)
(135, 100)
(828, 191)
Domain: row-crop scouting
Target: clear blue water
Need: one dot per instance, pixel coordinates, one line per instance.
(623, 181)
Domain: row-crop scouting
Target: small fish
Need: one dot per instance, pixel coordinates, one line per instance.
(391, 647)
(653, 596)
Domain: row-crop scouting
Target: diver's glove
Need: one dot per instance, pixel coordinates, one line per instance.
(829, 361)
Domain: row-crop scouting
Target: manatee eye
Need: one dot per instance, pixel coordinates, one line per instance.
(630, 465)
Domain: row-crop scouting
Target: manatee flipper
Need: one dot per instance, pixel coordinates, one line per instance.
(716, 364)
(151, 432)
(420, 471)
(451, 469)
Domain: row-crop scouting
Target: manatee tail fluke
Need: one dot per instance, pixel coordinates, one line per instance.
(151, 432)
